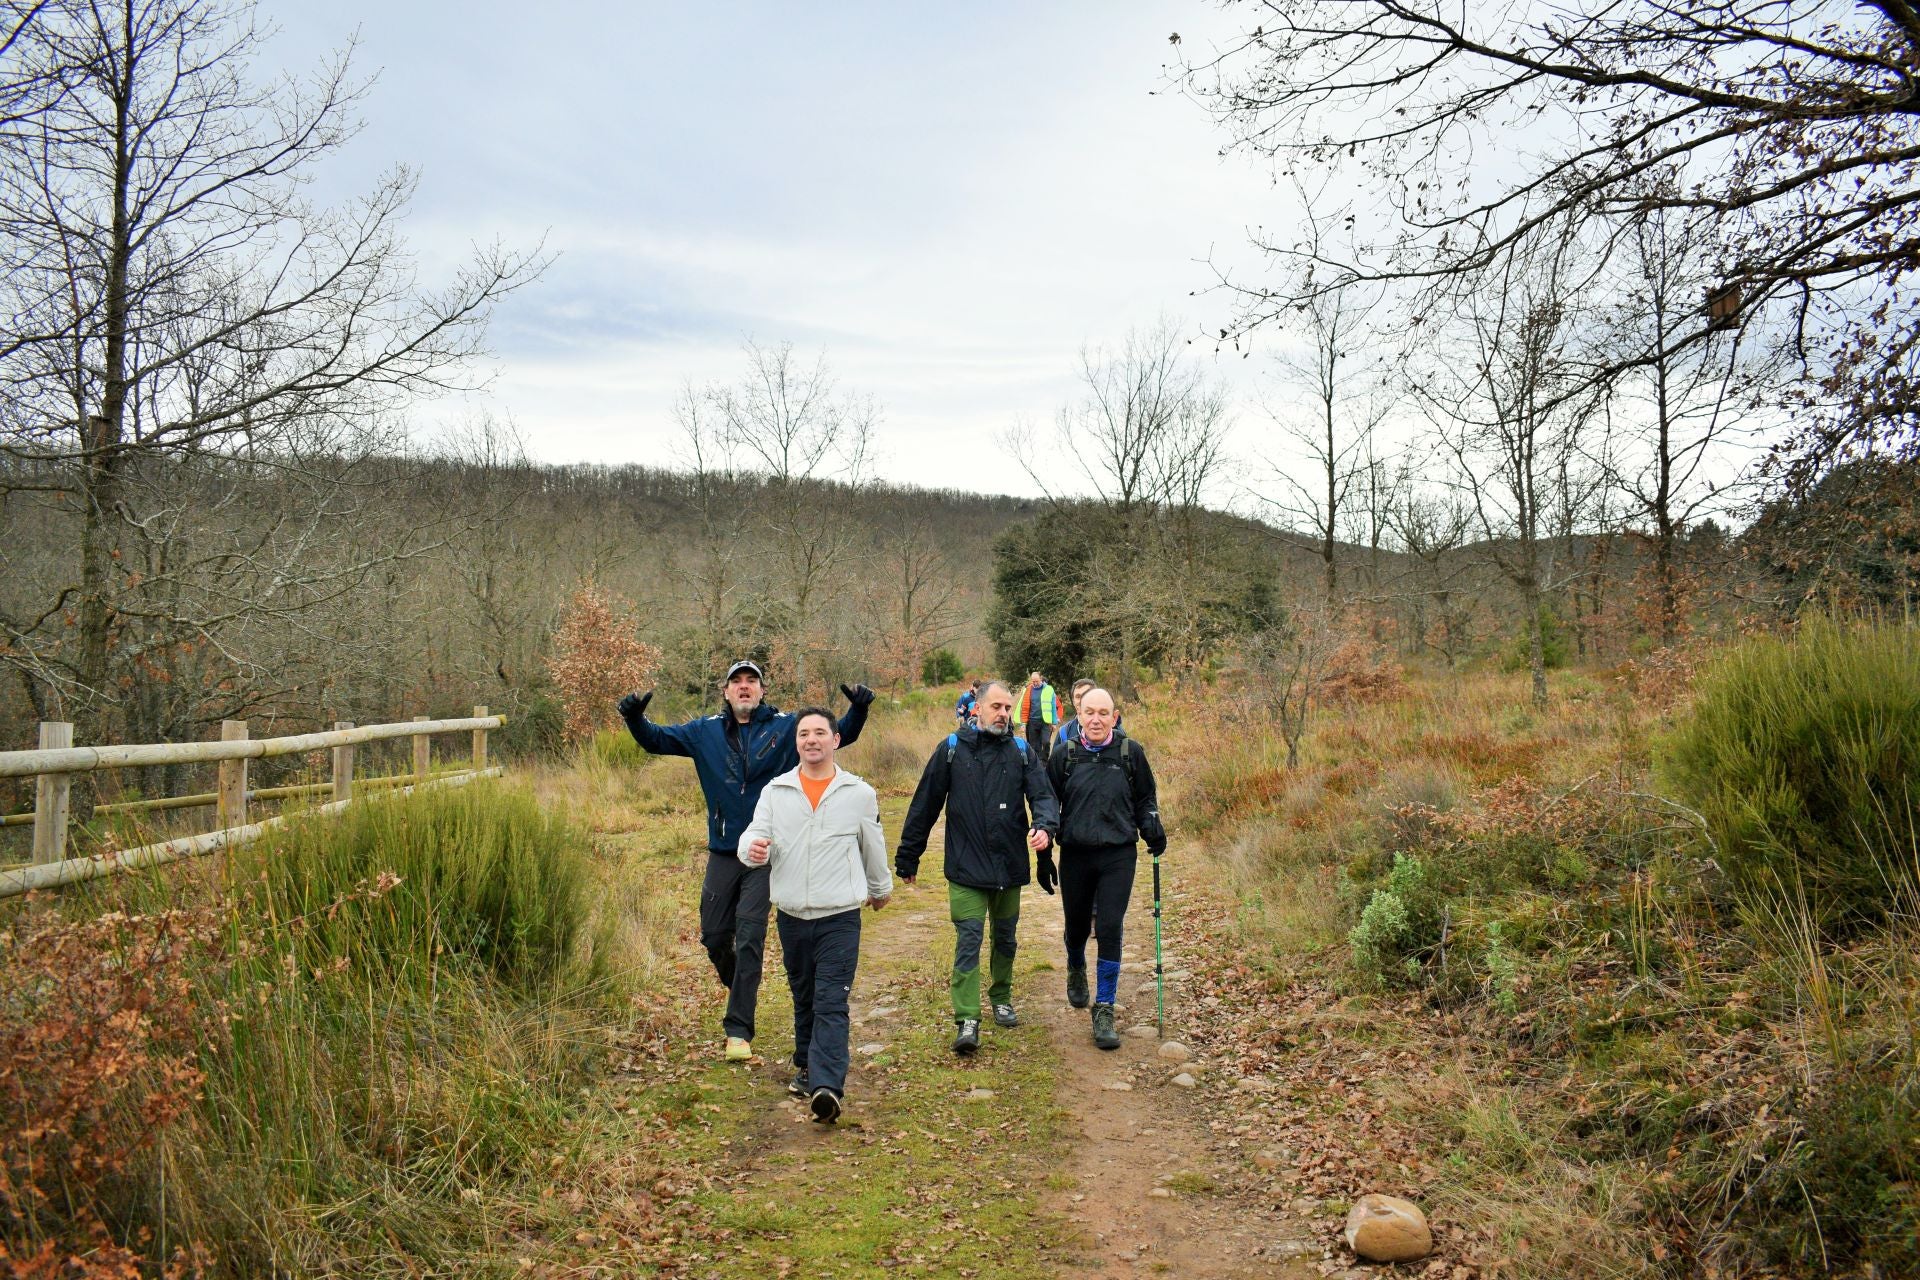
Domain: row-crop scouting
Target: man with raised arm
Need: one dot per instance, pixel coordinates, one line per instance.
(998, 806)
(736, 753)
(817, 830)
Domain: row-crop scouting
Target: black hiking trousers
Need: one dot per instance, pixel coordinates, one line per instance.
(733, 929)
(1096, 883)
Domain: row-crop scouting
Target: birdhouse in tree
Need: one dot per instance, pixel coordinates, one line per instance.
(1723, 307)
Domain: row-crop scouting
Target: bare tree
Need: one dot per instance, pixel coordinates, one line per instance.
(1790, 127)
(1333, 422)
(791, 424)
(1430, 525)
(1684, 410)
(173, 302)
(1288, 662)
(1510, 404)
(1146, 438)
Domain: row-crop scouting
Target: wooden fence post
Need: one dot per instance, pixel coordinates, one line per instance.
(343, 766)
(479, 742)
(232, 790)
(50, 793)
(422, 753)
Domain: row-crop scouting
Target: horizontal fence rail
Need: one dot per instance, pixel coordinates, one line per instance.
(23, 764)
(53, 764)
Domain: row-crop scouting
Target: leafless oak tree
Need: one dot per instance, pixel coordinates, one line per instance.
(172, 306)
(1792, 127)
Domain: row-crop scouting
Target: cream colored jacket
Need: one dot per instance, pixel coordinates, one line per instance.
(826, 860)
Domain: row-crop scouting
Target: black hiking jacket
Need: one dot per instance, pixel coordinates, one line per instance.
(1100, 805)
(994, 790)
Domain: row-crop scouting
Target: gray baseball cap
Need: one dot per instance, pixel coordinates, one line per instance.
(746, 664)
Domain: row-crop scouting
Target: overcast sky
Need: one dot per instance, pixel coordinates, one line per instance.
(949, 201)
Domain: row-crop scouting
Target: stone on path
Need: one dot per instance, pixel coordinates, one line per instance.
(1120, 1086)
(1174, 1051)
(1388, 1229)
(1184, 1081)
(871, 1049)
(1161, 1193)
(1173, 975)
(1143, 1030)
(979, 1095)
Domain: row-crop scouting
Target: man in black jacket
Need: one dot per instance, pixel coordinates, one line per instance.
(1108, 801)
(998, 806)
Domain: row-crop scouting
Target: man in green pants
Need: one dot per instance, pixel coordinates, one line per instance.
(999, 805)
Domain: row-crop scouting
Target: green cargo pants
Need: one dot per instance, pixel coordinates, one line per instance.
(972, 910)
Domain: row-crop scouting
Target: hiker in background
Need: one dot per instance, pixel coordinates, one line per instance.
(1037, 712)
(998, 806)
(817, 832)
(969, 698)
(735, 753)
(1108, 802)
(1071, 729)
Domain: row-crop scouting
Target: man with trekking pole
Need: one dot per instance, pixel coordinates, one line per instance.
(998, 806)
(1108, 802)
(817, 831)
(736, 753)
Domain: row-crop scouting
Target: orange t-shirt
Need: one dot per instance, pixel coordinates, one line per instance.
(817, 789)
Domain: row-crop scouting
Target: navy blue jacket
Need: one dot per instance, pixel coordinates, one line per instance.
(736, 761)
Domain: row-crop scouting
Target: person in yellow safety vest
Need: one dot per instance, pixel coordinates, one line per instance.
(1035, 713)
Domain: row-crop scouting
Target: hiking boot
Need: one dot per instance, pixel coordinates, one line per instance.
(967, 1038)
(1103, 1033)
(1004, 1016)
(738, 1050)
(797, 1087)
(825, 1107)
(1077, 987)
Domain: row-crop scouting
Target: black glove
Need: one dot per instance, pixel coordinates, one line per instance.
(633, 709)
(857, 694)
(1047, 874)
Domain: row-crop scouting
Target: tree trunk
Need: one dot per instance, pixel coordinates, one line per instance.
(1536, 646)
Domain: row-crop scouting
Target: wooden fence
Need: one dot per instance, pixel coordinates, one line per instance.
(53, 765)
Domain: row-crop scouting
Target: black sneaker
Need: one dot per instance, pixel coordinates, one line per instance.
(798, 1085)
(825, 1107)
(1103, 1033)
(967, 1039)
(1004, 1016)
(1077, 988)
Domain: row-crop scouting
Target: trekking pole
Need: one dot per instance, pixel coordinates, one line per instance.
(1159, 968)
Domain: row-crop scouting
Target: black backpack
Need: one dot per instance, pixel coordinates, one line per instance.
(1126, 761)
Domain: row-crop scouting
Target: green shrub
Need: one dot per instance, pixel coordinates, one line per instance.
(1553, 645)
(1399, 925)
(942, 666)
(485, 875)
(1803, 756)
(616, 749)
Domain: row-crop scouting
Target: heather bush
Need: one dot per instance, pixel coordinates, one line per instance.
(1803, 756)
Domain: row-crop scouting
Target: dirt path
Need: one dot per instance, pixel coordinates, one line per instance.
(1038, 1156)
(1158, 1191)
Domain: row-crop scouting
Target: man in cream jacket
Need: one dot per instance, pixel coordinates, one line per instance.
(817, 828)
